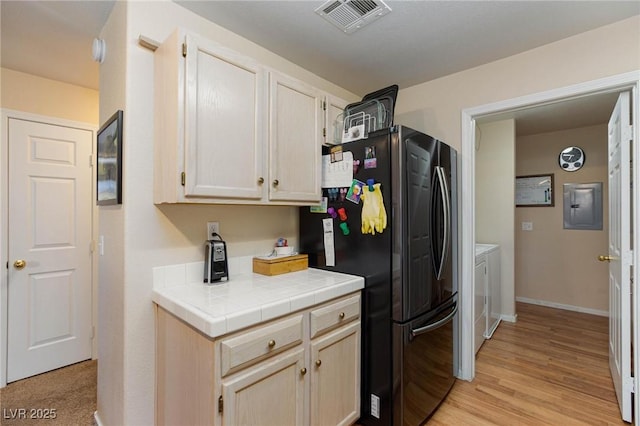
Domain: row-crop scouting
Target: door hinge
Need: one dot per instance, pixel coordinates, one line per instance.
(90, 160)
(92, 246)
(93, 332)
(220, 404)
(324, 132)
(324, 105)
(184, 50)
(183, 177)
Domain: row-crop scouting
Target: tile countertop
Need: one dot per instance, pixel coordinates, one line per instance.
(247, 298)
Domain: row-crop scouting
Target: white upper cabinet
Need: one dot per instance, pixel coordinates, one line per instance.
(334, 107)
(225, 119)
(229, 130)
(295, 139)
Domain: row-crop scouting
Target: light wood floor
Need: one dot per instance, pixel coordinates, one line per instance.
(549, 368)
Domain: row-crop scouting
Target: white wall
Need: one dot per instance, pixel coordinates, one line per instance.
(495, 199)
(142, 235)
(37, 95)
(111, 266)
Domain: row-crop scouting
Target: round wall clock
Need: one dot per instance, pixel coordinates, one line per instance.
(571, 158)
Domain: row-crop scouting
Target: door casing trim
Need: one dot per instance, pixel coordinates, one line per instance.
(628, 81)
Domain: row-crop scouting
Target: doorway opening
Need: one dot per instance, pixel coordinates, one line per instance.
(508, 110)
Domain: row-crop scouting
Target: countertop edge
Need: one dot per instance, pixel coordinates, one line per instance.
(216, 326)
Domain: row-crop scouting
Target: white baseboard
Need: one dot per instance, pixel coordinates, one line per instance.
(96, 419)
(509, 318)
(563, 306)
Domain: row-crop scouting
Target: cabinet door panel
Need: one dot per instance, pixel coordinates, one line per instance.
(224, 122)
(335, 107)
(272, 393)
(335, 382)
(295, 140)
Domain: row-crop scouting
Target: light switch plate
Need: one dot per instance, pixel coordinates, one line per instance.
(527, 226)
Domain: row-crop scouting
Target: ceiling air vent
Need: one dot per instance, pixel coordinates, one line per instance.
(351, 15)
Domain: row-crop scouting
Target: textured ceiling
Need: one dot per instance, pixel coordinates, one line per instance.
(416, 42)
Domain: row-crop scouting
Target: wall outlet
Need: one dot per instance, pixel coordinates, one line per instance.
(527, 226)
(212, 227)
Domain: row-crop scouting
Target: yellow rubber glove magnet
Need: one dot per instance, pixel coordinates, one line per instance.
(374, 216)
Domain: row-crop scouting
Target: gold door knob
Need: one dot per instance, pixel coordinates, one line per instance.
(602, 258)
(341, 315)
(276, 182)
(303, 371)
(271, 343)
(260, 180)
(318, 363)
(19, 264)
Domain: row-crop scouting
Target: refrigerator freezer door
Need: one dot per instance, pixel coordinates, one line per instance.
(423, 367)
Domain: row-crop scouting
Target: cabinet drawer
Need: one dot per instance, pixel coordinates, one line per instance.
(259, 343)
(334, 315)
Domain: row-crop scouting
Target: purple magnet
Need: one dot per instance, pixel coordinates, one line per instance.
(370, 182)
(345, 228)
(356, 166)
(332, 212)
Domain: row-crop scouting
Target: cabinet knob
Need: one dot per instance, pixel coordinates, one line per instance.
(318, 363)
(19, 264)
(341, 315)
(271, 343)
(303, 371)
(260, 180)
(602, 258)
(276, 182)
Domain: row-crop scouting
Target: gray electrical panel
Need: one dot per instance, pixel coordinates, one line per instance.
(582, 206)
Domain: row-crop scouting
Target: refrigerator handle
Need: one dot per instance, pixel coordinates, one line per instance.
(446, 212)
(435, 325)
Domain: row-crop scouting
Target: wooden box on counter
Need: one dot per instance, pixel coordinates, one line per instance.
(280, 265)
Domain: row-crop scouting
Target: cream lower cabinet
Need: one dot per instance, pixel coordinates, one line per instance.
(301, 369)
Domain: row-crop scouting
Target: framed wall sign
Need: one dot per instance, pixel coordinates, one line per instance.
(109, 168)
(534, 191)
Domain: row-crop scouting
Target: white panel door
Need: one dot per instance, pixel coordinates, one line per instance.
(619, 256)
(49, 293)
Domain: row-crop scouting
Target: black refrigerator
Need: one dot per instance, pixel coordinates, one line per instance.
(410, 264)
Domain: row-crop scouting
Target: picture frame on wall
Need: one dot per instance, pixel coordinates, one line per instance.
(535, 191)
(109, 166)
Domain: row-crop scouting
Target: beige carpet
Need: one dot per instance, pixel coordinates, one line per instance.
(68, 394)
